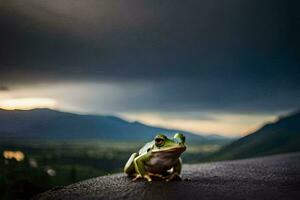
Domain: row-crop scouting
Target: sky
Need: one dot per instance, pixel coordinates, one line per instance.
(210, 67)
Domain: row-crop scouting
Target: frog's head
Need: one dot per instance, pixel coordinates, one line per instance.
(175, 144)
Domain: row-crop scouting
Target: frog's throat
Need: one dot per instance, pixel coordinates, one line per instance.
(177, 149)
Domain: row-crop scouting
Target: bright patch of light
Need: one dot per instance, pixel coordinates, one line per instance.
(51, 172)
(17, 155)
(27, 103)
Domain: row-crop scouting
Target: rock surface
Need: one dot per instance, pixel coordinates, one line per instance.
(273, 177)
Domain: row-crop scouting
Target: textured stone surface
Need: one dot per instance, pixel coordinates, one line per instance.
(273, 177)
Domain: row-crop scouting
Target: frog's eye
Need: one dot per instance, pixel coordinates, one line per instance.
(159, 141)
(183, 139)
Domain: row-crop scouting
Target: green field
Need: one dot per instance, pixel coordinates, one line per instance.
(48, 164)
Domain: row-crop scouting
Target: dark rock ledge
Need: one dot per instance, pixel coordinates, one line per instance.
(273, 177)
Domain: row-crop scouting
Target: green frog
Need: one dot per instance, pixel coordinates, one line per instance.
(158, 158)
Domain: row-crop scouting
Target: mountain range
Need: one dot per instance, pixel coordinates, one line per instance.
(53, 124)
(280, 136)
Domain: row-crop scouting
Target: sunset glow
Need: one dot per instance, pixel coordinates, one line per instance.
(27, 103)
(224, 124)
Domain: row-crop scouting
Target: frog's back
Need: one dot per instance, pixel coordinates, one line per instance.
(146, 147)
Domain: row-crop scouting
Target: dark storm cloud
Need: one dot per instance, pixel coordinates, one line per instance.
(204, 54)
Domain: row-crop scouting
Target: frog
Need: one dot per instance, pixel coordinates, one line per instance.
(158, 158)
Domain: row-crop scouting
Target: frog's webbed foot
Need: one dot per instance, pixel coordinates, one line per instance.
(146, 176)
(136, 177)
(173, 176)
(157, 175)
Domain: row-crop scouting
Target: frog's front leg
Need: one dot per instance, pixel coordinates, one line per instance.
(176, 170)
(139, 164)
(129, 167)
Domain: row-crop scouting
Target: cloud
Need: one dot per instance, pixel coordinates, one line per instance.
(236, 56)
(139, 39)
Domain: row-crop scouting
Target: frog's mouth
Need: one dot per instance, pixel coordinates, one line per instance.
(177, 150)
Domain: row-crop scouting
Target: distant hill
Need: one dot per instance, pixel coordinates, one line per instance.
(52, 124)
(278, 137)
